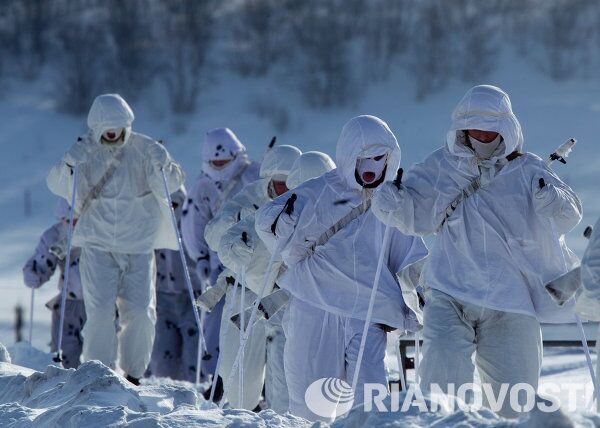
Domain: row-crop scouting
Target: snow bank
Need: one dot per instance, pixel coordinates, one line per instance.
(95, 396)
(25, 355)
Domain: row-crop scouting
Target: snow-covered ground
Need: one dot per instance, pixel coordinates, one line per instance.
(34, 136)
(95, 396)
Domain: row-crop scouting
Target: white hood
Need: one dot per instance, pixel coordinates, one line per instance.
(362, 137)
(109, 111)
(309, 165)
(279, 161)
(486, 108)
(222, 143)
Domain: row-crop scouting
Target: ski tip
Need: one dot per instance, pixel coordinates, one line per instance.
(273, 141)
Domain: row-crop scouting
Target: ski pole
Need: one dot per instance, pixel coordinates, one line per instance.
(288, 209)
(401, 368)
(187, 278)
(417, 355)
(243, 315)
(228, 311)
(31, 314)
(65, 289)
(363, 340)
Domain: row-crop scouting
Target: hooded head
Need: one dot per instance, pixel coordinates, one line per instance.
(221, 145)
(485, 108)
(109, 112)
(276, 166)
(309, 165)
(279, 161)
(366, 143)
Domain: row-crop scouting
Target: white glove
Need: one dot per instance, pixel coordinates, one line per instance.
(546, 199)
(387, 198)
(31, 279)
(158, 155)
(241, 252)
(78, 153)
(286, 223)
(203, 269)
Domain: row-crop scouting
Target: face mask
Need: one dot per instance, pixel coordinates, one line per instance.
(113, 136)
(370, 169)
(485, 150)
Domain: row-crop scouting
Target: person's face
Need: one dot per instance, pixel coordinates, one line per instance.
(279, 187)
(484, 137)
(112, 135)
(370, 169)
(219, 163)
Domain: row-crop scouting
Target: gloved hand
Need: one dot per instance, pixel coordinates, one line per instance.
(158, 155)
(78, 153)
(286, 223)
(31, 279)
(546, 198)
(203, 269)
(241, 252)
(388, 198)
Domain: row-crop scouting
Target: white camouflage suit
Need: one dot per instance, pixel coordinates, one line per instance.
(39, 269)
(176, 344)
(208, 193)
(330, 285)
(252, 258)
(222, 234)
(492, 256)
(119, 227)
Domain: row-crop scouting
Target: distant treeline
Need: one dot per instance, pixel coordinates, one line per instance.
(327, 51)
